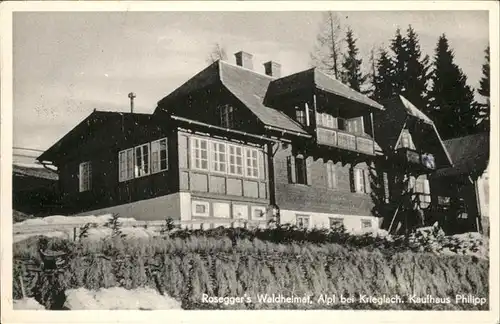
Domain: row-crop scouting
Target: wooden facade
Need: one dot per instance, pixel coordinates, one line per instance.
(239, 145)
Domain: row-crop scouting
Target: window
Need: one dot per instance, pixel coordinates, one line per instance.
(300, 116)
(303, 221)
(159, 155)
(200, 208)
(443, 201)
(252, 165)
(142, 160)
(336, 222)
(85, 176)
(366, 223)
(301, 169)
(226, 115)
(199, 153)
(331, 175)
(218, 157)
(258, 212)
(126, 165)
(405, 139)
(359, 180)
(235, 160)
(355, 125)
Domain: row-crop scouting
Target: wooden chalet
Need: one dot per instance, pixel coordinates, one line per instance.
(234, 144)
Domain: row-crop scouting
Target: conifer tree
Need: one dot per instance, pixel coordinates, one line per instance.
(351, 65)
(399, 60)
(416, 71)
(451, 103)
(484, 90)
(383, 77)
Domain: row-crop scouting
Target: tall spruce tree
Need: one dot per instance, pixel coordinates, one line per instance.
(399, 59)
(383, 77)
(327, 51)
(484, 90)
(416, 71)
(451, 100)
(351, 65)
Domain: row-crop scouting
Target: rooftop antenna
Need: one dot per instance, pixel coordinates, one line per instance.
(131, 96)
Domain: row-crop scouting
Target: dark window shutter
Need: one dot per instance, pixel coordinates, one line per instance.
(309, 162)
(351, 179)
(291, 169)
(341, 124)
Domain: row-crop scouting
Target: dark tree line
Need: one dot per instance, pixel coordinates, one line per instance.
(437, 86)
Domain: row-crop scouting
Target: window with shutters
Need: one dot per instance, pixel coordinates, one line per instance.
(326, 120)
(299, 169)
(361, 180)
(331, 175)
(142, 160)
(354, 125)
(126, 165)
(159, 155)
(85, 176)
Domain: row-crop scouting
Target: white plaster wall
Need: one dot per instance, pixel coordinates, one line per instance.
(352, 223)
(185, 206)
(159, 208)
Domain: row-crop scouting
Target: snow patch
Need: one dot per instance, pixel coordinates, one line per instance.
(27, 304)
(118, 298)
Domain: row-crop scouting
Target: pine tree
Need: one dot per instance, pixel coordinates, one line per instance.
(399, 60)
(326, 55)
(416, 71)
(484, 90)
(383, 77)
(351, 65)
(451, 100)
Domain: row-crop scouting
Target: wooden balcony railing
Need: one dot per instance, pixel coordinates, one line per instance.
(413, 158)
(344, 140)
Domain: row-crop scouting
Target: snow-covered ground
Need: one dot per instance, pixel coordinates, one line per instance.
(115, 298)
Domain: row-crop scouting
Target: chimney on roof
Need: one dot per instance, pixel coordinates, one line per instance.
(273, 69)
(244, 59)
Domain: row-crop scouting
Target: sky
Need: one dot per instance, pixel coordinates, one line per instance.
(66, 64)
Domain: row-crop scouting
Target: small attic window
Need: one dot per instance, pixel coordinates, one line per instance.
(226, 116)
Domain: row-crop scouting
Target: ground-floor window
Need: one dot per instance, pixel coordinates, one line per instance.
(366, 223)
(200, 208)
(303, 221)
(221, 210)
(240, 211)
(336, 222)
(258, 212)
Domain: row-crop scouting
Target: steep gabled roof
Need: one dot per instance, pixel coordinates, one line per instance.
(470, 155)
(247, 86)
(390, 123)
(315, 78)
(82, 129)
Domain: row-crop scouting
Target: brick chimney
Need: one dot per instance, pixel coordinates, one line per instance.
(273, 69)
(244, 59)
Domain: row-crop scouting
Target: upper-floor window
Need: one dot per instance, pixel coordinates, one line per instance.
(326, 120)
(85, 176)
(361, 180)
(126, 164)
(226, 116)
(354, 125)
(300, 115)
(159, 155)
(235, 159)
(142, 160)
(218, 156)
(331, 175)
(299, 169)
(199, 153)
